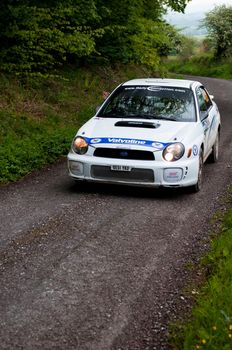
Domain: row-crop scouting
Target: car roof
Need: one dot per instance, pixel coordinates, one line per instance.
(163, 82)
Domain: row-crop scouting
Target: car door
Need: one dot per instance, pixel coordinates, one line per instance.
(207, 116)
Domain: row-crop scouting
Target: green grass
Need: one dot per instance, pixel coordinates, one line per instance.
(39, 117)
(210, 326)
(28, 144)
(204, 65)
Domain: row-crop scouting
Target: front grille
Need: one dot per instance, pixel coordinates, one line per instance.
(135, 175)
(120, 153)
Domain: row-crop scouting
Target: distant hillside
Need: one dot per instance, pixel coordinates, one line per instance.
(188, 23)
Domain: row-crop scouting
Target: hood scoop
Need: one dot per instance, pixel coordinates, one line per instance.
(137, 124)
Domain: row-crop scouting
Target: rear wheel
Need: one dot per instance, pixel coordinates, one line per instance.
(198, 186)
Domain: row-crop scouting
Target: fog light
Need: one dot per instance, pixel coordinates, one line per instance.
(173, 175)
(76, 168)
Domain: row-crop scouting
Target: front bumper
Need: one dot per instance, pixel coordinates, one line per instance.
(155, 173)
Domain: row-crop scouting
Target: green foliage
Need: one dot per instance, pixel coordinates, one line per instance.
(201, 65)
(37, 37)
(211, 56)
(151, 41)
(27, 145)
(219, 25)
(187, 47)
(41, 38)
(176, 5)
(39, 118)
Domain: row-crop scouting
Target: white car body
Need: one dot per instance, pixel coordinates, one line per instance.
(131, 150)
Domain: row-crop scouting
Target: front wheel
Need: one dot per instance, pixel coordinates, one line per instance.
(198, 186)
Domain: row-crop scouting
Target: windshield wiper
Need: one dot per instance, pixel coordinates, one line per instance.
(137, 116)
(150, 116)
(110, 115)
(133, 116)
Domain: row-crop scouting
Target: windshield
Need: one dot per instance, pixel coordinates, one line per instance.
(150, 102)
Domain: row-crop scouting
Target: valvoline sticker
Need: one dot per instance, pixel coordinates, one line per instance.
(126, 141)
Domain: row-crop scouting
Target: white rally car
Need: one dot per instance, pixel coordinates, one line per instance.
(149, 132)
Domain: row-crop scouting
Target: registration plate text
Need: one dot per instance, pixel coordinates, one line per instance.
(120, 168)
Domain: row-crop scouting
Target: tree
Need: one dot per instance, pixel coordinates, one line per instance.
(41, 35)
(187, 47)
(219, 25)
(134, 30)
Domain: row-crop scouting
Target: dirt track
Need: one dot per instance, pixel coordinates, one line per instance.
(93, 267)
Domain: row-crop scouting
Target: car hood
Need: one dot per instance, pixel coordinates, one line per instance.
(140, 132)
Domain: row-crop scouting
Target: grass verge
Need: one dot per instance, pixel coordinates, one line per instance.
(204, 65)
(210, 326)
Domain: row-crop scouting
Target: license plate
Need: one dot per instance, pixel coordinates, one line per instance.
(120, 168)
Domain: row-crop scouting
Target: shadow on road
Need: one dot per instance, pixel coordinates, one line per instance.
(82, 187)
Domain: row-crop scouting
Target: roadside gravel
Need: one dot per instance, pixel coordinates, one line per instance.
(93, 267)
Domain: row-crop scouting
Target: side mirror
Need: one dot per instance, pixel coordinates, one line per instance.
(203, 115)
(212, 97)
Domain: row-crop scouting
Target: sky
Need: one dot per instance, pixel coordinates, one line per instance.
(205, 5)
(195, 11)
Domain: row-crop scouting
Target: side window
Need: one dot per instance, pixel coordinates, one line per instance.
(203, 100)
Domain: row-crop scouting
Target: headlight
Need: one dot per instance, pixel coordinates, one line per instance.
(173, 152)
(79, 145)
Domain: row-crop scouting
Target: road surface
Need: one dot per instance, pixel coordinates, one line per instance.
(97, 267)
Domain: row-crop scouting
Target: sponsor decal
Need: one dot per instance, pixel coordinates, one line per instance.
(124, 141)
(96, 140)
(124, 154)
(136, 88)
(158, 145)
(160, 88)
(127, 141)
(195, 150)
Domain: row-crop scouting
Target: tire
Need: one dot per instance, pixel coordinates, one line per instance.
(196, 188)
(213, 158)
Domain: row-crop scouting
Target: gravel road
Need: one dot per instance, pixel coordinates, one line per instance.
(97, 267)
